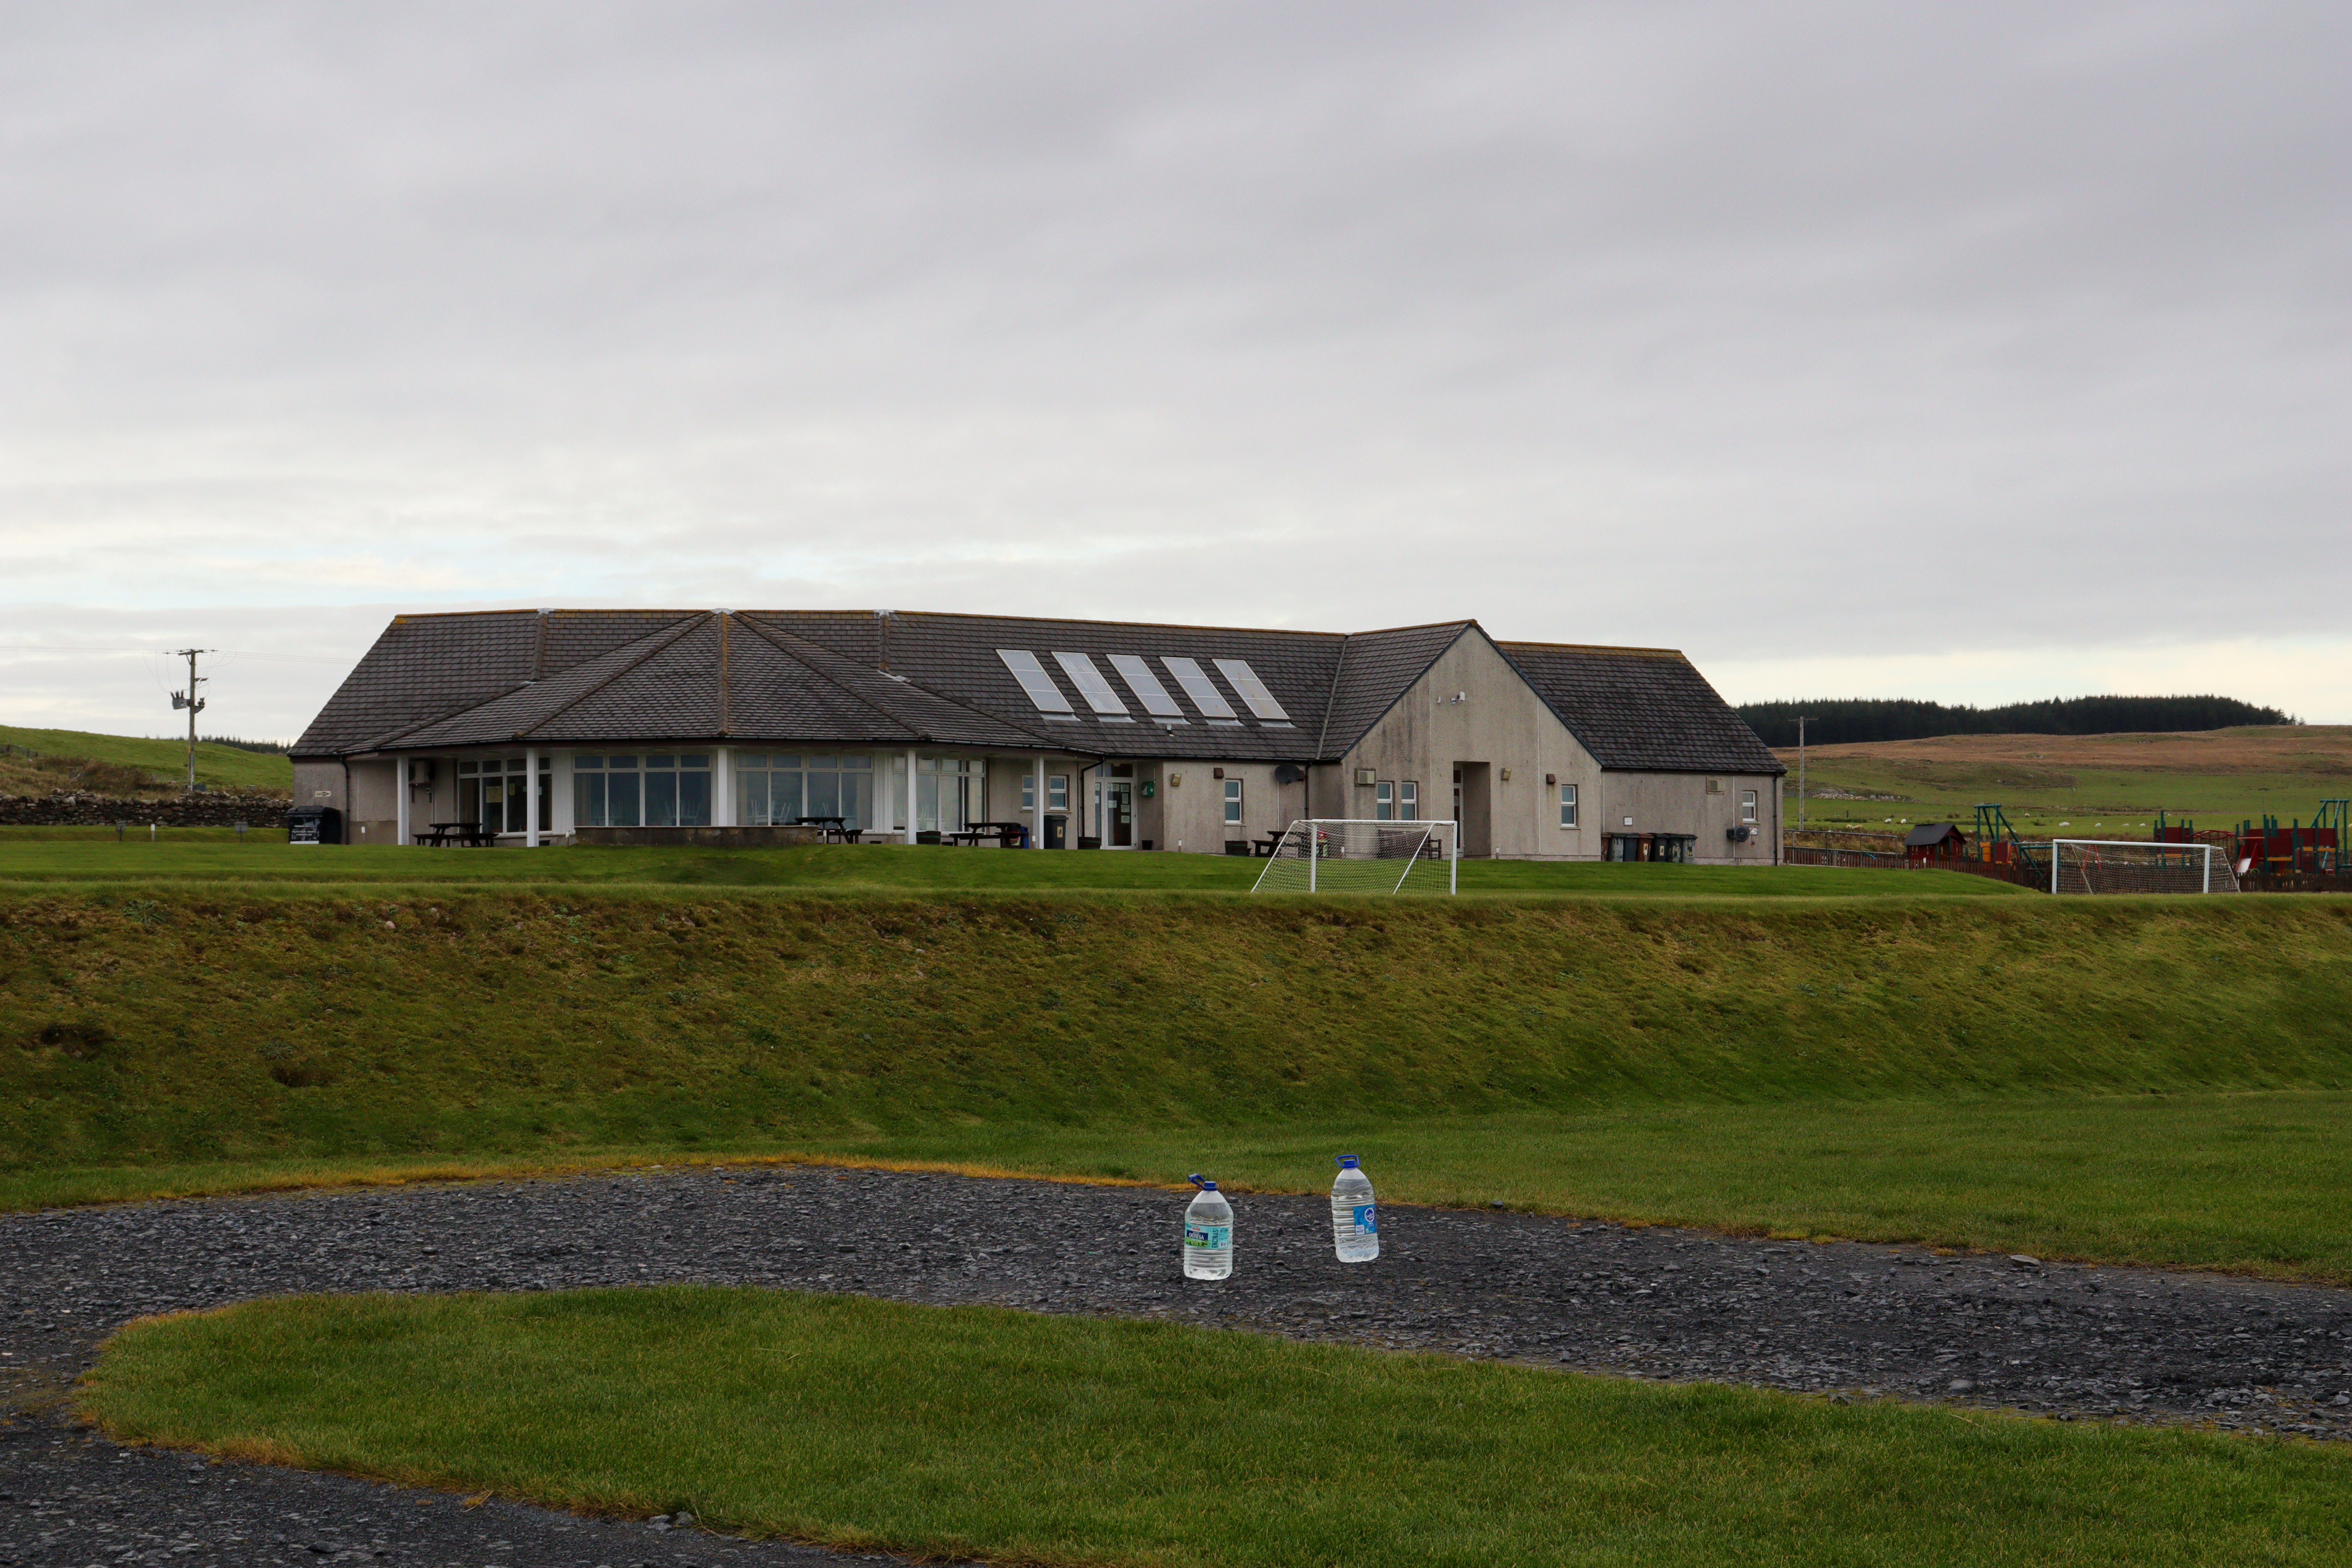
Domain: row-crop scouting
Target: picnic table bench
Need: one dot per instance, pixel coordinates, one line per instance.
(834, 829)
(444, 834)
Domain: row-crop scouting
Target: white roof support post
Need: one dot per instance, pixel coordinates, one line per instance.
(531, 798)
(722, 788)
(1037, 816)
(399, 802)
(910, 795)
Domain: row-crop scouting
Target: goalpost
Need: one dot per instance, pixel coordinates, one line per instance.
(1357, 855)
(2135, 866)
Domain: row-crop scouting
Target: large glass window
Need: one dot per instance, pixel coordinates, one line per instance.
(666, 789)
(491, 793)
(951, 793)
(774, 788)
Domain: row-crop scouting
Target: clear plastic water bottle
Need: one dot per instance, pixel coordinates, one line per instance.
(1355, 1220)
(1208, 1233)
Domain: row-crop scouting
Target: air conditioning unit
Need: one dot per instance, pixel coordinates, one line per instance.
(1367, 777)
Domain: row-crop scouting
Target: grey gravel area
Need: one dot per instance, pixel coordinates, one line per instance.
(2074, 1342)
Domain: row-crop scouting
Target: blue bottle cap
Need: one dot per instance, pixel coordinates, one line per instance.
(1201, 1182)
(1348, 1162)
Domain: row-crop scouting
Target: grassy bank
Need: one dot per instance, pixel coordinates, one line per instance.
(223, 767)
(91, 858)
(975, 1432)
(2014, 1072)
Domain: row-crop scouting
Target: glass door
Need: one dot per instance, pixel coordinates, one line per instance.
(1118, 814)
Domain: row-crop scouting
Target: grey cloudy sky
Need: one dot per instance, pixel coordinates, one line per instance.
(1961, 352)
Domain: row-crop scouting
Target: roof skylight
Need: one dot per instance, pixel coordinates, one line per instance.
(1091, 685)
(1197, 685)
(1253, 692)
(1147, 688)
(1036, 683)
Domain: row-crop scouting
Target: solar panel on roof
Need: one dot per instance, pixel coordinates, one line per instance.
(1253, 692)
(1091, 685)
(1198, 687)
(1036, 683)
(1146, 687)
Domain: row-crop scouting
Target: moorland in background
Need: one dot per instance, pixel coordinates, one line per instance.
(2098, 783)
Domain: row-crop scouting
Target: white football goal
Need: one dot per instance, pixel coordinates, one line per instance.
(1354, 855)
(2135, 866)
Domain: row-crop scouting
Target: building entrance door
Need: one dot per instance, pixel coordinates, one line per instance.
(1118, 814)
(1473, 809)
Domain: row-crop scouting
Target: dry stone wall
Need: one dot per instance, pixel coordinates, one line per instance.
(211, 808)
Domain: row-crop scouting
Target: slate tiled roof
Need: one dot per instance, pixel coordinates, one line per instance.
(954, 656)
(857, 679)
(1376, 668)
(1642, 710)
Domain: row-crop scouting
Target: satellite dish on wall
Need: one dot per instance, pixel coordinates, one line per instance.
(1289, 773)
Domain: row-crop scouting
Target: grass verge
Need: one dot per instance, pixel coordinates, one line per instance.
(1053, 1440)
(91, 857)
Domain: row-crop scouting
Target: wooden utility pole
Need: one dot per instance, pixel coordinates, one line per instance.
(1800, 772)
(193, 704)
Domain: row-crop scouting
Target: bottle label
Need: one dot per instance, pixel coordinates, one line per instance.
(1367, 1222)
(1209, 1235)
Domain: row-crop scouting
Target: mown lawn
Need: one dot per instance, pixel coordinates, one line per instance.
(91, 857)
(970, 1431)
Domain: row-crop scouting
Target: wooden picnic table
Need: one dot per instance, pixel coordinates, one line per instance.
(444, 834)
(835, 829)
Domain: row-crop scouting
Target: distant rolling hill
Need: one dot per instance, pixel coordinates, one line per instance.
(2112, 783)
(36, 762)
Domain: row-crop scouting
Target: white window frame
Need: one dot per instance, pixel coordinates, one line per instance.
(1232, 803)
(1057, 791)
(1747, 806)
(1028, 791)
(1568, 806)
(1384, 801)
(1408, 800)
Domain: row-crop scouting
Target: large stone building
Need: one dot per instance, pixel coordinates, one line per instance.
(1088, 734)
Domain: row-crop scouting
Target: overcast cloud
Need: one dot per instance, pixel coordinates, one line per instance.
(1969, 352)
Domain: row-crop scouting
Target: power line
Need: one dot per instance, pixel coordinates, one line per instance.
(163, 653)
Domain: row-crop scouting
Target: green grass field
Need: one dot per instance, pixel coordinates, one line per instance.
(2152, 1080)
(1025, 1438)
(211, 856)
(223, 767)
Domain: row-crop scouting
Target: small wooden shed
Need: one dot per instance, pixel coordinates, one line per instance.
(1934, 843)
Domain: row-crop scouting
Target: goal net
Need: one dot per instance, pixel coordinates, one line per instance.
(1350, 855)
(2093, 865)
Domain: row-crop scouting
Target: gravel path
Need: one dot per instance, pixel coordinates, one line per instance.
(2109, 1343)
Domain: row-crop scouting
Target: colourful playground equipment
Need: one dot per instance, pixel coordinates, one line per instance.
(2271, 850)
(1996, 842)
